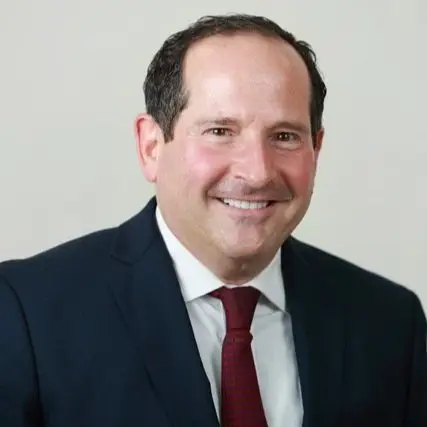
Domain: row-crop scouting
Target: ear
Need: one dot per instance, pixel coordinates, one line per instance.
(318, 143)
(149, 140)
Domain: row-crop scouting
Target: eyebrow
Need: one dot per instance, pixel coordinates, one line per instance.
(219, 121)
(294, 125)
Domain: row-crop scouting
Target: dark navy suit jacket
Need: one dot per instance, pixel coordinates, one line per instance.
(95, 333)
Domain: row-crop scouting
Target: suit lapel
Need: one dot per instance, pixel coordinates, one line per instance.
(155, 312)
(317, 312)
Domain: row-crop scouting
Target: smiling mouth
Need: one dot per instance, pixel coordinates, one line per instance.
(247, 204)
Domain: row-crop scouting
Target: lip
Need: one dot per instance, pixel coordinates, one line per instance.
(253, 213)
(248, 199)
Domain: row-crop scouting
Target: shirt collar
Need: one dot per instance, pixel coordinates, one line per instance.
(196, 280)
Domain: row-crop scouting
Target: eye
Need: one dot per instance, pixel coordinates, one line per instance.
(218, 131)
(288, 137)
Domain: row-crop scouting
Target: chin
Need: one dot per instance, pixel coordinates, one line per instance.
(247, 242)
(245, 250)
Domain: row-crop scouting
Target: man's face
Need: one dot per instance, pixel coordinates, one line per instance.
(238, 175)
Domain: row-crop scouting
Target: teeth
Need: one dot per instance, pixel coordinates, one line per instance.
(245, 204)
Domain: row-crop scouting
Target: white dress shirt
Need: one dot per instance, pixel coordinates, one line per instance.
(272, 345)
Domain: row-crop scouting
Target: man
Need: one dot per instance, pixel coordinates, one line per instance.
(203, 308)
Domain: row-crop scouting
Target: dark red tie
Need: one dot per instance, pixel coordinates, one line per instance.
(241, 404)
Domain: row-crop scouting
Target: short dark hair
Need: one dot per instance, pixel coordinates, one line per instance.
(164, 91)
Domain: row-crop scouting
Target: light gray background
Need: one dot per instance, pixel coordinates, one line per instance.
(71, 73)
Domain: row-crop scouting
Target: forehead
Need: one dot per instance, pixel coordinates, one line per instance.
(246, 68)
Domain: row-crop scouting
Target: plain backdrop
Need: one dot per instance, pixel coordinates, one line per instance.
(71, 74)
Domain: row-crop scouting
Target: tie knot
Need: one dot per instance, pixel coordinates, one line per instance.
(239, 305)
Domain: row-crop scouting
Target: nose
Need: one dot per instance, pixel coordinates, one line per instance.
(254, 163)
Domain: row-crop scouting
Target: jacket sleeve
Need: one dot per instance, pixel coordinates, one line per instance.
(19, 405)
(416, 415)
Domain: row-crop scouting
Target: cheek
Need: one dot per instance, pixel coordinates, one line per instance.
(204, 166)
(299, 172)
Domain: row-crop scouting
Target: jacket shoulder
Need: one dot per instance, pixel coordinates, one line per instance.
(356, 281)
(65, 260)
